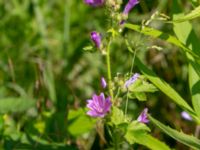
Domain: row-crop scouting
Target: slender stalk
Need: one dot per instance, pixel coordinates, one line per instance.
(126, 105)
(117, 95)
(41, 25)
(66, 35)
(109, 69)
(11, 67)
(197, 131)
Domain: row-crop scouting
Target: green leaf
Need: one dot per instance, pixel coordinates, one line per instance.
(18, 89)
(142, 86)
(133, 129)
(131, 95)
(117, 116)
(141, 96)
(151, 142)
(194, 2)
(188, 140)
(28, 140)
(185, 33)
(15, 104)
(138, 89)
(88, 48)
(137, 95)
(79, 122)
(164, 36)
(165, 88)
(49, 81)
(137, 133)
(192, 15)
(194, 82)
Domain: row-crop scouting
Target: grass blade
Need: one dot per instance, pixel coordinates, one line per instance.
(188, 140)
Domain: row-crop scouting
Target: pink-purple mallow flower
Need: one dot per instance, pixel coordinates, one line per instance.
(103, 82)
(131, 80)
(186, 116)
(94, 3)
(96, 38)
(98, 106)
(129, 6)
(143, 118)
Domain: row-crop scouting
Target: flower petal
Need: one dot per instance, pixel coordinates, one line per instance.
(129, 6)
(107, 104)
(143, 118)
(98, 105)
(103, 82)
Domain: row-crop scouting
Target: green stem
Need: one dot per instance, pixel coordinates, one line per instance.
(109, 70)
(126, 105)
(116, 140)
(117, 95)
(66, 35)
(197, 131)
(41, 25)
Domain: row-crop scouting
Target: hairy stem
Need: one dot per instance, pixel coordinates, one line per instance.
(109, 69)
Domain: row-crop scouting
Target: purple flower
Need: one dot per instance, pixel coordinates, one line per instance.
(131, 80)
(103, 82)
(96, 38)
(99, 105)
(94, 3)
(129, 6)
(143, 116)
(186, 116)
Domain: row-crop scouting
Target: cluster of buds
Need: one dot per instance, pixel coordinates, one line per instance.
(114, 4)
(95, 36)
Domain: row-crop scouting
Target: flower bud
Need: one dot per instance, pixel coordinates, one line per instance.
(129, 6)
(96, 38)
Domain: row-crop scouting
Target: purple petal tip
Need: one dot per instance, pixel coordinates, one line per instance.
(186, 116)
(96, 38)
(130, 5)
(103, 83)
(143, 118)
(94, 3)
(99, 106)
(131, 80)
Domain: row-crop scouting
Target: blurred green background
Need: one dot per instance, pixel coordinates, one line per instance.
(44, 71)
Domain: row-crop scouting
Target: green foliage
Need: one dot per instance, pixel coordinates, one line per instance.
(88, 48)
(192, 15)
(118, 117)
(142, 86)
(137, 133)
(49, 81)
(159, 34)
(15, 104)
(79, 122)
(186, 34)
(139, 89)
(188, 140)
(164, 87)
(46, 75)
(161, 84)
